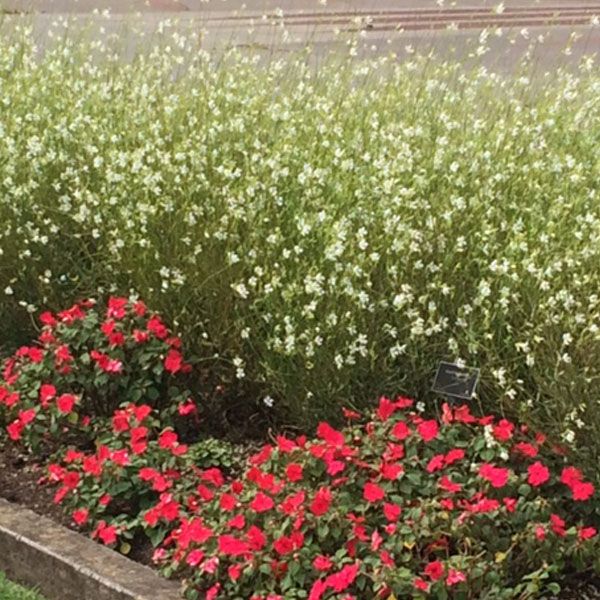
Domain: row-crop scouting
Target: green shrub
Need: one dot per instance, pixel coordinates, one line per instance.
(402, 506)
(87, 362)
(319, 235)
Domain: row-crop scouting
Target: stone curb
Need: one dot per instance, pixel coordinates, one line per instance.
(64, 565)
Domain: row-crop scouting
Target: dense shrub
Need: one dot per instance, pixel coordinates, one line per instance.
(88, 361)
(402, 506)
(318, 235)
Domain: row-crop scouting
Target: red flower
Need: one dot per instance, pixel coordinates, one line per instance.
(227, 502)
(330, 435)
(386, 408)
(187, 408)
(391, 471)
(47, 393)
(72, 456)
(156, 327)
(213, 476)
(237, 522)
(428, 430)
(526, 449)
(65, 403)
(497, 476)
(540, 533)
(107, 533)
(56, 472)
(262, 503)
(503, 431)
(570, 476)
(538, 474)
(293, 472)
(27, 416)
(434, 570)
(435, 464)
(80, 516)
(9, 400)
(350, 414)
(292, 503)
(92, 466)
(194, 558)
(453, 456)
(234, 572)
(47, 318)
(173, 361)
(582, 490)
(344, 579)
(139, 442)
(462, 414)
(15, 429)
(322, 563)
(256, 538)
(71, 480)
(167, 439)
(120, 421)
(420, 584)
(140, 336)
(116, 307)
(321, 502)
(373, 493)
(232, 546)
(585, 533)
(392, 512)
(447, 503)
(283, 545)
(454, 577)
(139, 308)
(317, 590)
(400, 430)
(449, 486)
(140, 412)
(558, 525)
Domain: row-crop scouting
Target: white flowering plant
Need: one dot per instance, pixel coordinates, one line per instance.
(318, 235)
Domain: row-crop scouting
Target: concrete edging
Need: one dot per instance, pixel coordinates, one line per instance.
(64, 565)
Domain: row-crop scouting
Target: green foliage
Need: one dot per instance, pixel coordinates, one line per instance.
(215, 452)
(401, 506)
(319, 235)
(86, 362)
(12, 591)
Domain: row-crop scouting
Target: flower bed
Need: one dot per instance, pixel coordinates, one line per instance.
(398, 503)
(320, 236)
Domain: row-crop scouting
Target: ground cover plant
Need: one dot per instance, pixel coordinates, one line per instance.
(320, 235)
(397, 503)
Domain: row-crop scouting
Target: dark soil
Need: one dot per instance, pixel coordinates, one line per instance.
(19, 483)
(20, 478)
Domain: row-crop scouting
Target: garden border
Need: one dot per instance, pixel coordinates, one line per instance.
(64, 565)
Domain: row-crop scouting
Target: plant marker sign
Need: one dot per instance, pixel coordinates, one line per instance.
(455, 381)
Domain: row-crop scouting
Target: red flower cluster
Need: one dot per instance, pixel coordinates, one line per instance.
(86, 362)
